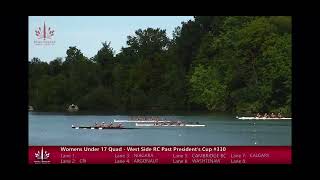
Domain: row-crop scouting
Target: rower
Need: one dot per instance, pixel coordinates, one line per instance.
(258, 115)
(265, 115)
(279, 115)
(273, 115)
(102, 124)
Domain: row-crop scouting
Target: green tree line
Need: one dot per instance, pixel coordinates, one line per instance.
(236, 64)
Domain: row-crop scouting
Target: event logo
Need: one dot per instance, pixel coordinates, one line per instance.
(42, 157)
(44, 35)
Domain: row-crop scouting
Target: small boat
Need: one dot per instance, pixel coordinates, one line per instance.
(97, 127)
(170, 125)
(262, 118)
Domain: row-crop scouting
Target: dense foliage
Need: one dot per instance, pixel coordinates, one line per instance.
(234, 64)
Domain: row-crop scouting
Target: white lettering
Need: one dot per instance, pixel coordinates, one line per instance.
(70, 149)
(177, 155)
(260, 155)
(236, 161)
(112, 149)
(117, 161)
(133, 149)
(119, 156)
(235, 155)
(177, 161)
(149, 161)
(90, 149)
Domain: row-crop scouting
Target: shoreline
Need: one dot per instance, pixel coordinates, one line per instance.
(132, 113)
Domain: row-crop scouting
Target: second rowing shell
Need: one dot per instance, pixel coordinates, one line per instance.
(256, 118)
(90, 127)
(170, 125)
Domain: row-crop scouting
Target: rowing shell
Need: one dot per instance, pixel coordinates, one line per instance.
(171, 125)
(137, 121)
(253, 118)
(90, 127)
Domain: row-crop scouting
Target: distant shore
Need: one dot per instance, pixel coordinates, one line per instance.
(133, 113)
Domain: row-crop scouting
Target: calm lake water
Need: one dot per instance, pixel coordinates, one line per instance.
(55, 129)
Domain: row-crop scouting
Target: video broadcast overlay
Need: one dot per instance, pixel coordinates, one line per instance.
(160, 155)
